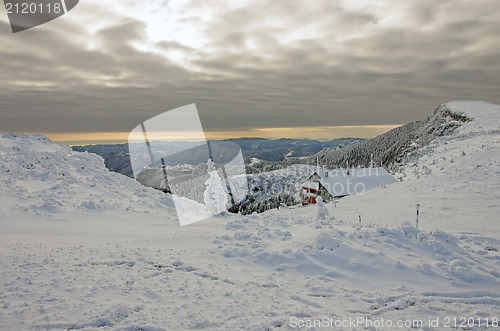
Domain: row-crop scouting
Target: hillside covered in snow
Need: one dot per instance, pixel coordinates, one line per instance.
(85, 248)
(385, 149)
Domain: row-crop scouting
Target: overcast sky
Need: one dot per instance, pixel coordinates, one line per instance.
(107, 66)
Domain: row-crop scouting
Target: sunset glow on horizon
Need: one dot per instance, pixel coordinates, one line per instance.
(323, 132)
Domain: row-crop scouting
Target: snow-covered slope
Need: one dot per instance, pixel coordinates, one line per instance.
(41, 182)
(84, 248)
(455, 180)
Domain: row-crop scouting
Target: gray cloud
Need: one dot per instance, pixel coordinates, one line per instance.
(268, 64)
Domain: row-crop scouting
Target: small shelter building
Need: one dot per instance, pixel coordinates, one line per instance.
(337, 183)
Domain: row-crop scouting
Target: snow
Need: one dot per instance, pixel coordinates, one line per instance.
(457, 181)
(85, 248)
(354, 181)
(486, 116)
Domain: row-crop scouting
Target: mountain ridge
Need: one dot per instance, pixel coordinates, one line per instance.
(386, 149)
(117, 156)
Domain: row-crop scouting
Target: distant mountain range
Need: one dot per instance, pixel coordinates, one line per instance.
(117, 156)
(388, 149)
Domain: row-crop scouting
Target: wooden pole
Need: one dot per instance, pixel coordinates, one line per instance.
(418, 212)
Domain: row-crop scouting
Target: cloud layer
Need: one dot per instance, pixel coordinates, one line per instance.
(246, 64)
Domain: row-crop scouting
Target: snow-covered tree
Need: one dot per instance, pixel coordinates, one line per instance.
(323, 213)
(215, 197)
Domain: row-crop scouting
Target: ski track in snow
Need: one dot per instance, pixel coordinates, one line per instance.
(85, 248)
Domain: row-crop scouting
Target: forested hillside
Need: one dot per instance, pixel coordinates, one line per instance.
(388, 149)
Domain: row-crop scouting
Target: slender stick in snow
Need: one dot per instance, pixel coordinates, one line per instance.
(418, 212)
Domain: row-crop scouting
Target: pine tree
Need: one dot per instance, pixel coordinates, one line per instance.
(215, 197)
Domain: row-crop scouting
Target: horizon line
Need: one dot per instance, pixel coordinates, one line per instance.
(316, 133)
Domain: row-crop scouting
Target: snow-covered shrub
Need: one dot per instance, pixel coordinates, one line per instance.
(323, 213)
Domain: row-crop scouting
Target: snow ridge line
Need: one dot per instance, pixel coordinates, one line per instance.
(465, 294)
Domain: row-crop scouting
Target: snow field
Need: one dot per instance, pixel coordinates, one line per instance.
(251, 272)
